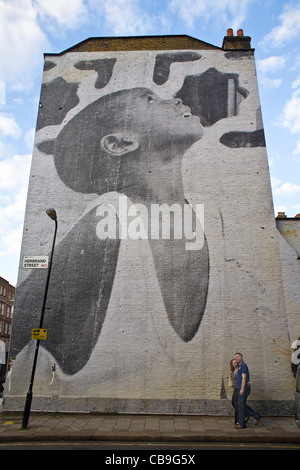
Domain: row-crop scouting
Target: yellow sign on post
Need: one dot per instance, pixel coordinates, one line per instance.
(39, 333)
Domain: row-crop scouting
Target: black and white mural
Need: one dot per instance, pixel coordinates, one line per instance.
(129, 150)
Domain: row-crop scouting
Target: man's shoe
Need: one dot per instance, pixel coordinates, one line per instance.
(258, 420)
(238, 426)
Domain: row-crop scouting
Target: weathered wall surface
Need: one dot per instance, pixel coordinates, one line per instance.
(290, 230)
(149, 325)
(289, 243)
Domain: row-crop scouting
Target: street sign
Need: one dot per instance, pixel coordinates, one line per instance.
(35, 262)
(39, 333)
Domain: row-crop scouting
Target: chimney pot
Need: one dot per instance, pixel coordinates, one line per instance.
(239, 42)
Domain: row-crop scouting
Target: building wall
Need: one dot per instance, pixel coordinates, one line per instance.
(139, 324)
(290, 230)
(7, 297)
(289, 242)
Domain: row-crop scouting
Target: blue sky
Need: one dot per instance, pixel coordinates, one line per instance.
(29, 28)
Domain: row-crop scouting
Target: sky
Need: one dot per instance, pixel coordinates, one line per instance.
(30, 28)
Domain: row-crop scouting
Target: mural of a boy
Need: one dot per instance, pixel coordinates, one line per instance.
(132, 142)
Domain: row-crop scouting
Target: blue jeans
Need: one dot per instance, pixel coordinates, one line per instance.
(245, 410)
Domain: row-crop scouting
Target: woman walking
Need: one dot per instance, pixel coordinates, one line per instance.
(233, 380)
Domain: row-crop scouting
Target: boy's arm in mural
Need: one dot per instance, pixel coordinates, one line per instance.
(80, 286)
(183, 277)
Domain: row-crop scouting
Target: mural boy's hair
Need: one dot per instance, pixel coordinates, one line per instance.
(80, 161)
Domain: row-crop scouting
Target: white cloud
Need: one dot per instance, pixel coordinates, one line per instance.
(22, 42)
(288, 29)
(61, 13)
(287, 189)
(23, 39)
(290, 116)
(2, 92)
(124, 17)
(9, 127)
(14, 172)
(268, 66)
(14, 210)
(271, 64)
(291, 113)
(6, 150)
(297, 150)
(29, 138)
(296, 63)
(11, 242)
(232, 12)
(275, 182)
(14, 175)
(268, 82)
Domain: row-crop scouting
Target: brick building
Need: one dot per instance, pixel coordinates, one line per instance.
(149, 324)
(7, 298)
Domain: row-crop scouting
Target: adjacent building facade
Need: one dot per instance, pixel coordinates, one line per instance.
(168, 259)
(7, 299)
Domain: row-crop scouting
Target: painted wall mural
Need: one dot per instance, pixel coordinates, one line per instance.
(130, 150)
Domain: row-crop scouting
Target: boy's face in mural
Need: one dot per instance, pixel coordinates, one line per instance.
(112, 143)
(169, 118)
(153, 123)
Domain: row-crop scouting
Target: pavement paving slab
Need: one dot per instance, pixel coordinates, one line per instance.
(102, 427)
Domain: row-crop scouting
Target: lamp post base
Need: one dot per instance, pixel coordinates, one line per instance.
(27, 410)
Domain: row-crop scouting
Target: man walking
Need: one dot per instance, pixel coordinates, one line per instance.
(243, 384)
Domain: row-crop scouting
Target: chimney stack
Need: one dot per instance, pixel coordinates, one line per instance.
(281, 215)
(238, 42)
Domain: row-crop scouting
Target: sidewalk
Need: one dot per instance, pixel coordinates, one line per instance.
(151, 428)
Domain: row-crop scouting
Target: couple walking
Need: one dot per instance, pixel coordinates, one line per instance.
(240, 379)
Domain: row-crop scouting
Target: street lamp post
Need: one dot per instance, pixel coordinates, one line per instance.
(52, 214)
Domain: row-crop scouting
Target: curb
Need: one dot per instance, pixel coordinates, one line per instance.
(27, 436)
